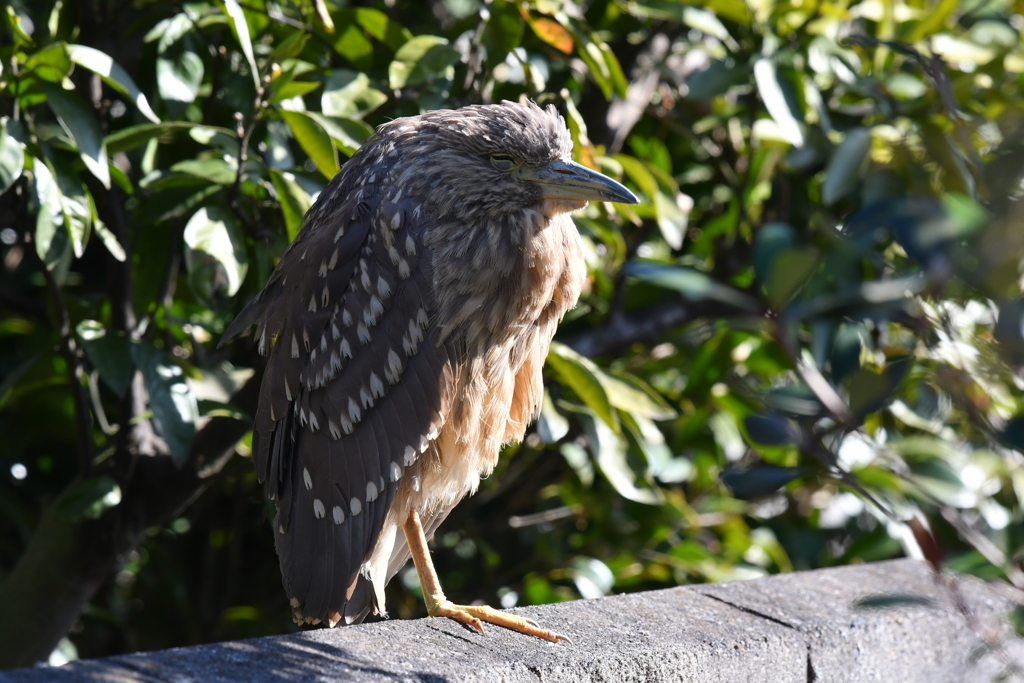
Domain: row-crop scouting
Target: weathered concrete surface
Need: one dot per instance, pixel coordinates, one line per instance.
(797, 627)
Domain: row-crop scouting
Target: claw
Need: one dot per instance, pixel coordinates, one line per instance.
(473, 615)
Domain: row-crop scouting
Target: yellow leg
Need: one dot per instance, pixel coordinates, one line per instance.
(439, 606)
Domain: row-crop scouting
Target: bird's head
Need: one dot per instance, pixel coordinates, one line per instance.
(488, 162)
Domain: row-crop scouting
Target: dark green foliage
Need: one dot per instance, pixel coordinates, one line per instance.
(786, 350)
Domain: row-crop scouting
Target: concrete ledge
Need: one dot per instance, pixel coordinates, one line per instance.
(799, 627)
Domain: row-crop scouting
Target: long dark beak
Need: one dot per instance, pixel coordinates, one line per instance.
(568, 180)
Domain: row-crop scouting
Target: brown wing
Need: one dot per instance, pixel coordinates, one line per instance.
(351, 389)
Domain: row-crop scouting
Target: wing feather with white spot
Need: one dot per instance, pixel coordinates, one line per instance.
(351, 384)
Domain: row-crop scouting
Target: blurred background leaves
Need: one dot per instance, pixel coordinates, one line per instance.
(802, 349)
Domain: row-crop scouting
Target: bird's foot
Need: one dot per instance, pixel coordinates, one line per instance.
(475, 615)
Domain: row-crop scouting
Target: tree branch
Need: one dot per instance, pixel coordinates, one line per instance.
(68, 559)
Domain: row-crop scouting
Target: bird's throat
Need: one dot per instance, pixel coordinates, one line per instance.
(550, 208)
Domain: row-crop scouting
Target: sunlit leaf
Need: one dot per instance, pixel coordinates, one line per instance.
(382, 27)
(294, 200)
(770, 86)
(12, 158)
(236, 17)
(609, 451)
(314, 140)
(349, 94)
(111, 72)
(633, 395)
(552, 33)
(52, 63)
(421, 59)
(215, 254)
(51, 237)
(79, 121)
(551, 425)
(581, 375)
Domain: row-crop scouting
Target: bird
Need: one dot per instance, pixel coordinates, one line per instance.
(406, 328)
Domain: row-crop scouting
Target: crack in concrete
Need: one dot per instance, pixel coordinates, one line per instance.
(749, 610)
(812, 675)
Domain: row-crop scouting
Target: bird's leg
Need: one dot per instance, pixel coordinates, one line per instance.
(439, 606)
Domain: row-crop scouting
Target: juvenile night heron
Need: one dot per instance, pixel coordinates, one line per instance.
(407, 326)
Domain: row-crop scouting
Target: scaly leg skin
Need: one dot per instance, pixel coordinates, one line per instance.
(439, 606)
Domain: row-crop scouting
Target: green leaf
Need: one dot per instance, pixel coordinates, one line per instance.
(293, 89)
(348, 134)
(692, 284)
(135, 136)
(382, 27)
(215, 170)
(757, 482)
(294, 200)
(582, 376)
(770, 86)
(551, 424)
(503, 32)
(771, 429)
(618, 78)
(846, 166)
(51, 238)
(579, 461)
(236, 17)
(215, 254)
(662, 465)
(51, 64)
(794, 399)
(174, 406)
(290, 47)
(631, 394)
(12, 158)
(671, 220)
(348, 94)
(770, 240)
(14, 24)
(870, 390)
(113, 75)
(314, 140)
(109, 240)
(108, 352)
(179, 75)
(79, 122)
(88, 498)
(350, 42)
(421, 59)
(789, 270)
(609, 450)
(590, 52)
(76, 205)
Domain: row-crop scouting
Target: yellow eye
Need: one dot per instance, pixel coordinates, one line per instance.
(503, 162)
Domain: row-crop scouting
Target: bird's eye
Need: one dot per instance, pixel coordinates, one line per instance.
(503, 162)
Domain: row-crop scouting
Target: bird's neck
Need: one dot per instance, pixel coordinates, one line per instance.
(492, 280)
